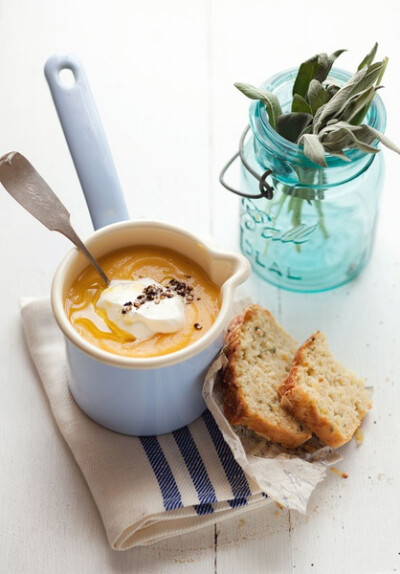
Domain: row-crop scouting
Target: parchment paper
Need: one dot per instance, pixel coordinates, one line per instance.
(287, 476)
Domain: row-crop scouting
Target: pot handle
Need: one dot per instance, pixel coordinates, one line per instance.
(86, 140)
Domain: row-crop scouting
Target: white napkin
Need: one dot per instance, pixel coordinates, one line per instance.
(146, 488)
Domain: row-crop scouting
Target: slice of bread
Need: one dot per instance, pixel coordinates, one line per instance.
(260, 355)
(322, 394)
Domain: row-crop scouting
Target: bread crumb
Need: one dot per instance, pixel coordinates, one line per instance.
(339, 472)
(359, 436)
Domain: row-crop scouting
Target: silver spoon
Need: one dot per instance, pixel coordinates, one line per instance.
(26, 186)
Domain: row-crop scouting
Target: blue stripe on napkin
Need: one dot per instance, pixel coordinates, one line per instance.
(203, 509)
(237, 502)
(235, 475)
(197, 470)
(169, 489)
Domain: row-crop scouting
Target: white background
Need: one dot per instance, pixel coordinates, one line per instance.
(162, 75)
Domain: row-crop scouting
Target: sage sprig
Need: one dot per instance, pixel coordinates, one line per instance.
(326, 118)
(271, 102)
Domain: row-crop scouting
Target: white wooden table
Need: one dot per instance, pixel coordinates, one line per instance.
(162, 75)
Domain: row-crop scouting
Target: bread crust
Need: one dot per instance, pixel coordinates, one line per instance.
(289, 382)
(236, 408)
(301, 405)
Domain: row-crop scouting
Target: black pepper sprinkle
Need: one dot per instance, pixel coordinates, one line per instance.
(126, 307)
(197, 326)
(156, 294)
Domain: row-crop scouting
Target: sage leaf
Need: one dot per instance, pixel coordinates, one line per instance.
(299, 104)
(315, 68)
(271, 102)
(367, 134)
(326, 118)
(337, 139)
(291, 125)
(305, 74)
(360, 81)
(321, 118)
(369, 58)
(337, 101)
(314, 149)
(359, 144)
(307, 130)
(364, 134)
(356, 104)
(358, 117)
(340, 155)
(331, 60)
(382, 138)
(344, 135)
(328, 110)
(336, 124)
(317, 96)
(332, 89)
(385, 62)
(322, 70)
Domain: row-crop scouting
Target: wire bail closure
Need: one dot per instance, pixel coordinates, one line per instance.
(265, 189)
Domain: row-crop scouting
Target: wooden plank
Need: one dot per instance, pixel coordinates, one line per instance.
(147, 72)
(162, 76)
(352, 524)
(256, 542)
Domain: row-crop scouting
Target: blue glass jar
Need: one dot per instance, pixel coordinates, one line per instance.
(317, 231)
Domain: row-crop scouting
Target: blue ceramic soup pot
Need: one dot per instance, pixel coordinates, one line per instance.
(145, 396)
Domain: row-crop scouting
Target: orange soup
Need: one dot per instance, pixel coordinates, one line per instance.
(200, 295)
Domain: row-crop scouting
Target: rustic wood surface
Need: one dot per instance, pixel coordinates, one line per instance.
(162, 75)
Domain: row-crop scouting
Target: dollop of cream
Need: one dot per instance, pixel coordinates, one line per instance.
(130, 307)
